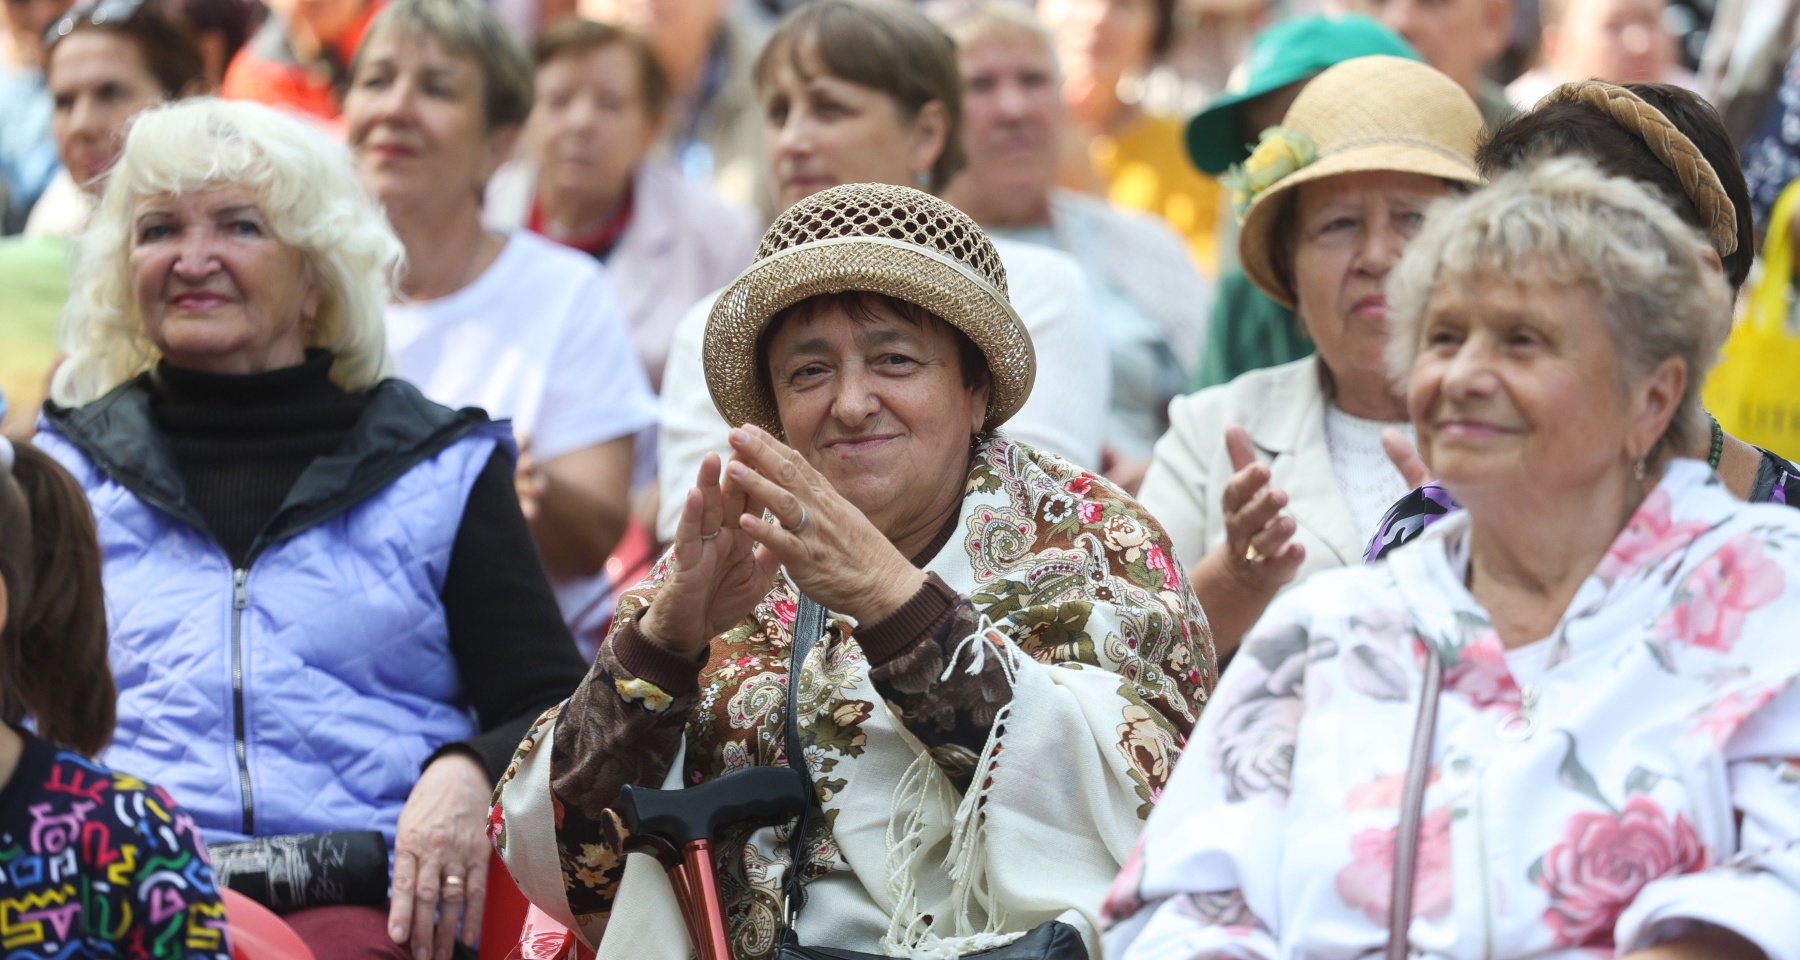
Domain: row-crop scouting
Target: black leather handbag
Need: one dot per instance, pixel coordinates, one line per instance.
(1051, 940)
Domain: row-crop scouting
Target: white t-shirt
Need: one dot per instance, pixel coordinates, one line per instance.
(1065, 415)
(537, 339)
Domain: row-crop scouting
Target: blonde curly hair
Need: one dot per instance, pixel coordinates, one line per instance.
(1563, 221)
(306, 187)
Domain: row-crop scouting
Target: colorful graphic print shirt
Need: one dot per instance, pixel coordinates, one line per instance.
(96, 863)
(1589, 794)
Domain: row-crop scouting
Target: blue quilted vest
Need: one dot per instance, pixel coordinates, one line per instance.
(301, 693)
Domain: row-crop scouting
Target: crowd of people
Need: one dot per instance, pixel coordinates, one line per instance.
(1171, 479)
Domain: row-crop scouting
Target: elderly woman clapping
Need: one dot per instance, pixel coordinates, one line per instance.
(326, 611)
(868, 357)
(1280, 473)
(1567, 706)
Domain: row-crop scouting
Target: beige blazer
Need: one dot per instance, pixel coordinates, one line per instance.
(1283, 408)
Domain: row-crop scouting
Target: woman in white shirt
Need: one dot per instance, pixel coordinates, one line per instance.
(588, 181)
(527, 329)
(867, 91)
(1278, 474)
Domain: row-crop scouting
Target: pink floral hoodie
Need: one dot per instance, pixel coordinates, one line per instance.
(1595, 792)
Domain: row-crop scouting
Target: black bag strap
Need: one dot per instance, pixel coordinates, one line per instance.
(809, 629)
(1412, 808)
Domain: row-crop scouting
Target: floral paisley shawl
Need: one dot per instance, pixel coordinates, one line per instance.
(1596, 791)
(1118, 661)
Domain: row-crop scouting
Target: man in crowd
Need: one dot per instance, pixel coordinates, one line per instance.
(1618, 40)
(1459, 37)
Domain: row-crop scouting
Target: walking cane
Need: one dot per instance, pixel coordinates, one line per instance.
(678, 828)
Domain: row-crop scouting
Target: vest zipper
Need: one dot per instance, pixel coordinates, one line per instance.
(240, 598)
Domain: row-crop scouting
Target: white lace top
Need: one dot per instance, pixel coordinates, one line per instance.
(1370, 482)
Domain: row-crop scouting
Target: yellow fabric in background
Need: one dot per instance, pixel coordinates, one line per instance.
(1755, 390)
(1147, 168)
(34, 282)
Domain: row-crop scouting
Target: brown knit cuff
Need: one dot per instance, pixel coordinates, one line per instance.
(677, 675)
(917, 621)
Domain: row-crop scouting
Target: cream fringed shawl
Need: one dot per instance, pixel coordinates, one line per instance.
(1109, 659)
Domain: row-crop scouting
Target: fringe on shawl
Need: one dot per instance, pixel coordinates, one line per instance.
(923, 787)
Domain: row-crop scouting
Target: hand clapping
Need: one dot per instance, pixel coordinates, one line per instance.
(726, 553)
(1258, 536)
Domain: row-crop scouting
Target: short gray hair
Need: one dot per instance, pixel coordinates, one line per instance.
(1565, 221)
(999, 18)
(305, 184)
(466, 28)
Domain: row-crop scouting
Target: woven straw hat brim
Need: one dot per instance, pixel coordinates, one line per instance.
(875, 265)
(1256, 240)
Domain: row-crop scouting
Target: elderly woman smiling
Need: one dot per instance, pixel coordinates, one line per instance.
(868, 356)
(325, 608)
(1569, 706)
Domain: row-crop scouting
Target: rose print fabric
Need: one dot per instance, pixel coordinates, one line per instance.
(1063, 685)
(95, 863)
(1777, 481)
(1636, 771)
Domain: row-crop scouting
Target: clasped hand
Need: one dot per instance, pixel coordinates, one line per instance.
(726, 553)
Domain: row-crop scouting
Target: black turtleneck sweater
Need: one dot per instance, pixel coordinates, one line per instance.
(241, 442)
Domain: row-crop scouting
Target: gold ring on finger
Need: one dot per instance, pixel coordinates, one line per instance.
(1252, 555)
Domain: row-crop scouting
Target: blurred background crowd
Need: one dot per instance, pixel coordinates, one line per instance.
(573, 185)
(1093, 127)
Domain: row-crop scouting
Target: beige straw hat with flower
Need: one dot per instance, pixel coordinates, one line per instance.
(877, 238)
(1368, 114)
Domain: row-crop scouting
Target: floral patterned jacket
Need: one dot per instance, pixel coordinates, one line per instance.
(1633, 773)
(1107, 662)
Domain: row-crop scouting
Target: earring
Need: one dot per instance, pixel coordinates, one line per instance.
(1640, 469)
(922, 179)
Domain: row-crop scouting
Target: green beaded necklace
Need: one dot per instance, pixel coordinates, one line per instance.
(1718, 446)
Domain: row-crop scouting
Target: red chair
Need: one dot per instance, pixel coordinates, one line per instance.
(503, 914)
(513, 929)
(257, 933)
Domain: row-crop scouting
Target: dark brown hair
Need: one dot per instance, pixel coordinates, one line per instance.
(1563, 129)
(168, 48)
(574, 37)
(53, 641)
(230, 18)
(884, 46)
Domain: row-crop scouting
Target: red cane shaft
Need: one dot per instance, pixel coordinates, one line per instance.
(703, 883)
(684, 897)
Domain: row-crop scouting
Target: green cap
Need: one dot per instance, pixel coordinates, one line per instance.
(1286, 52)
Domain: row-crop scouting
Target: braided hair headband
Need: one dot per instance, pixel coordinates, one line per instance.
(1671, 146)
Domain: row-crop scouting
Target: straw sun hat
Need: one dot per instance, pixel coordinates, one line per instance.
(876, 238)
(1369, 114)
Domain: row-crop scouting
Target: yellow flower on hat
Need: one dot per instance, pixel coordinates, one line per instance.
(1279, 152)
